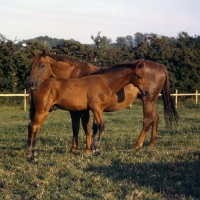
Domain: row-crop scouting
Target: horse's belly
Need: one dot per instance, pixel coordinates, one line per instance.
(122, 98)
(74, 104)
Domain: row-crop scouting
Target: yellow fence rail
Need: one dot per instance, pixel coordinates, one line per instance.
(25, 95)
(196, 94)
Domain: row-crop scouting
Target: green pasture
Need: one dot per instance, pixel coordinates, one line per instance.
(170, 170)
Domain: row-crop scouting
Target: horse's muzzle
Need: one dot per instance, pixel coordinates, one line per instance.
(144, 92)
(31, 85)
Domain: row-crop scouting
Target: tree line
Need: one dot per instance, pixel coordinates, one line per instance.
(181, 56)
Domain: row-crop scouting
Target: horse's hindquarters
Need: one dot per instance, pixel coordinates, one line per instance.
(123, 98)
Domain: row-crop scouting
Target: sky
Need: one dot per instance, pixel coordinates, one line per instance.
(79, 19)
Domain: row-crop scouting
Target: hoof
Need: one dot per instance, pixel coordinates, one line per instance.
(32, 159)
(136, 147)
(72, 150)
(151, 145)
(97, 153)
(86, 151)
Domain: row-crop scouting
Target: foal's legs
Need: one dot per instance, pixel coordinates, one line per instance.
(84, 116)
(33, 128)
(150, 119)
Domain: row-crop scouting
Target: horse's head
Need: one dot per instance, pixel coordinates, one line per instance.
(40, 70)
(139, 78)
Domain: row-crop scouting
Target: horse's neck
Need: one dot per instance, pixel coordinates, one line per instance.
(118, 79)
(66, 70)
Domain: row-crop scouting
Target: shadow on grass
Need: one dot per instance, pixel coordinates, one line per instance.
(172, 180)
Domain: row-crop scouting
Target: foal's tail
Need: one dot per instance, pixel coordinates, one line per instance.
(170, 113)
(32, 106)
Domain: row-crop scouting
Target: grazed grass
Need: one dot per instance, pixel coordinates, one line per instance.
(170, 170)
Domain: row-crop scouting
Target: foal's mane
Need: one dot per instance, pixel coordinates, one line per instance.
(69, 60)
(114, 67)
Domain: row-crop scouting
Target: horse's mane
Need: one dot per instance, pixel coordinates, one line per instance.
(69, 60)
(114, 67)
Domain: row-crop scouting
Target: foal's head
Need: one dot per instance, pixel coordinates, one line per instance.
(139, 78)
(40, 70)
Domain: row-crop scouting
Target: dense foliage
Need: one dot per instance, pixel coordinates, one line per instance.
(181, 55)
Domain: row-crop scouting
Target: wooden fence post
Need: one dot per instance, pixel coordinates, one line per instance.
(176, 98)
(25, 100)
(196, 96)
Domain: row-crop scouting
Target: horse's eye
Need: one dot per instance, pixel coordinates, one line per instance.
(139, 77)
(41, 65)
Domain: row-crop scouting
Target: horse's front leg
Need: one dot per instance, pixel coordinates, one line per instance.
(84, 116)
(31, 151)
(98, 128)
(87, 129)
(33, 128)
(75, 117)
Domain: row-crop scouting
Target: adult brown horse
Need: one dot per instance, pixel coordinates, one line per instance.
(92, 92)
(45, 66)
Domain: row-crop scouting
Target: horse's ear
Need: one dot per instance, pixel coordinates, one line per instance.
(142, 64)
(33, 54)
(137, 64)
(44, 52)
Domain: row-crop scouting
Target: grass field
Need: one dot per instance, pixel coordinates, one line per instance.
(170, 170)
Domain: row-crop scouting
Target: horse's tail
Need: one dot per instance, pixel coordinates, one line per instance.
(170, 112)
(32, 106)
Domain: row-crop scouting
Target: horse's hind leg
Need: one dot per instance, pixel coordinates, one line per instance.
(98, 128)
(140, 141)
(150, 119)
(33, 128)
(154, 131)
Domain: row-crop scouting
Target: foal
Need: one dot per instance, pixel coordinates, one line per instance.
(91, 92)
